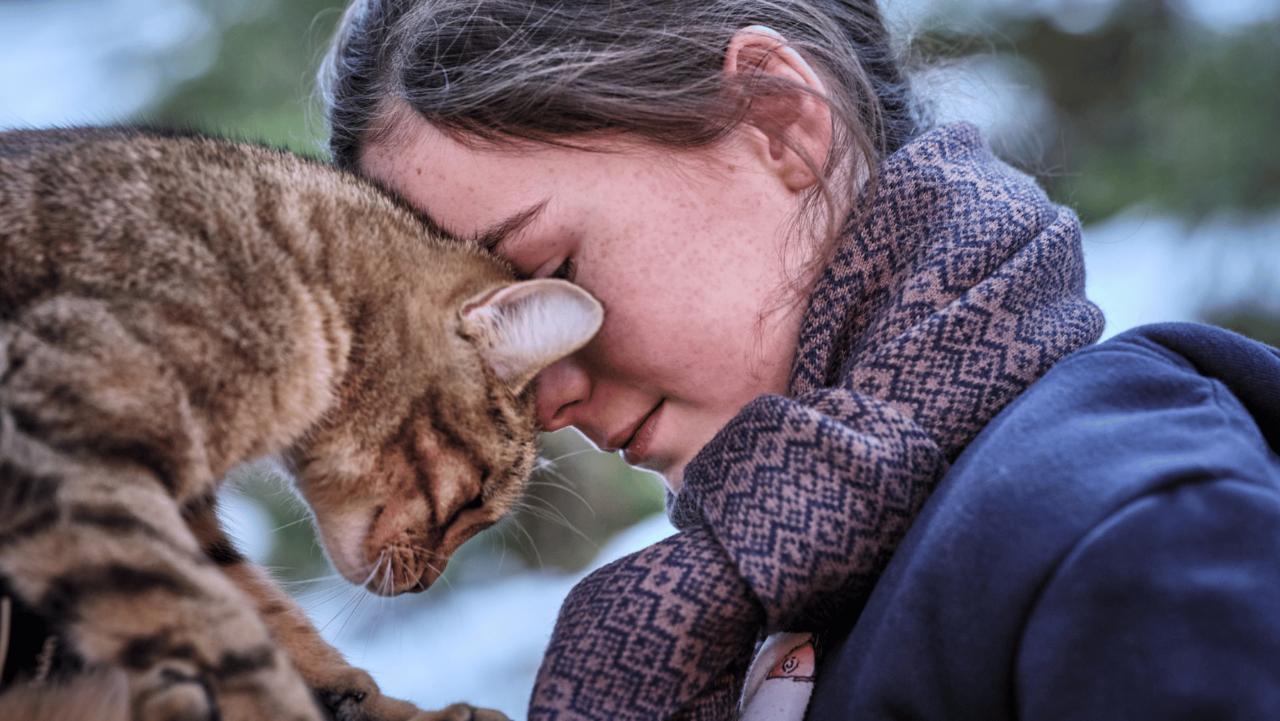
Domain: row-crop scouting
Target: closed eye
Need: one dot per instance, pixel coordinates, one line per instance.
(474, 504)
(567, 270)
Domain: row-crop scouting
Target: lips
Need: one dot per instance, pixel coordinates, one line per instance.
(636, 447)
(620, 441)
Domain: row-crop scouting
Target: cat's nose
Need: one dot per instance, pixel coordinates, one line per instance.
(563, 388)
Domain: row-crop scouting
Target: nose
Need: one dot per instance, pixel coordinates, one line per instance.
(563, 388)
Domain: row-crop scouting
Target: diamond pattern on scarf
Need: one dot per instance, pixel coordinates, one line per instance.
(959, 288)
(820, 533)
(645, 618)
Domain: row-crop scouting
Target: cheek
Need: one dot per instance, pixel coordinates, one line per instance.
(682, 309)
(333, 455)
(660, 346)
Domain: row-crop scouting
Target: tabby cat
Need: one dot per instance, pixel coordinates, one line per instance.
(173, 305)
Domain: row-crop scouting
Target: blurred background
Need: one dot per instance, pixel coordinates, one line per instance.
(1158, 121)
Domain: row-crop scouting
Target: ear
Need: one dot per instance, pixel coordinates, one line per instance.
(787, 118)
(525, 327)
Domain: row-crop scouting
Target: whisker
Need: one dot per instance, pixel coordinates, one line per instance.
(353, 606)
(554, 515)
(303, 583)
(304, 519)
(545, 461)
(378, 564)
(533, 546)
(440, 577)
(501, 539)
(555, 473)
(566, 489)
(379, 606)
(319, 597)
(355, 599)
(328, 595)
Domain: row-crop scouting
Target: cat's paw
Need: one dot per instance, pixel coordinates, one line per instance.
(461, 712)
(356, 698)
(350, 694)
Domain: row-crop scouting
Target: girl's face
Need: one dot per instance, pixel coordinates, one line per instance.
(686, 250)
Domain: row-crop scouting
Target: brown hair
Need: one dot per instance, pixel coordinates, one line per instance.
(552, 70)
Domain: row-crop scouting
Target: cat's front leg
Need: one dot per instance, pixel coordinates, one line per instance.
(346, 692)
(97, 441)
(101, 552)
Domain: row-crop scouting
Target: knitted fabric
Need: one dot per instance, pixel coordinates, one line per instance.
(959, 288)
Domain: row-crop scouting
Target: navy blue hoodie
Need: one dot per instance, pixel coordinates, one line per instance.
(1107, 548)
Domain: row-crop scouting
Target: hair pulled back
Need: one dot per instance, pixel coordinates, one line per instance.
(552, 70)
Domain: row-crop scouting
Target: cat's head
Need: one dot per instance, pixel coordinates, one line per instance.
(433, 438)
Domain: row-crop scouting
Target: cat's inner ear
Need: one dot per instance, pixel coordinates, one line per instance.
(525, 327)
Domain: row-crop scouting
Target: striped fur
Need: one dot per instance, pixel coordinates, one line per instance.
(172, 306)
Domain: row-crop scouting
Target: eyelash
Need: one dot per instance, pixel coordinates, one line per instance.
(567, 269)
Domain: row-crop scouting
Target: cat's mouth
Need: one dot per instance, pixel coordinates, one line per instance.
(397, 562)
(413, 560)
(396, 548)
(404, 569)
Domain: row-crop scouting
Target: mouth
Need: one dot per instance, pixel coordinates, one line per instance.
(636, 447)
(399, 570)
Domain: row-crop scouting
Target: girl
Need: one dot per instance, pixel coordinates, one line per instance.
(851, 344)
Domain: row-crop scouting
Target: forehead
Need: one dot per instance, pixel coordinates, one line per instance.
(470, 187)
(462, 187)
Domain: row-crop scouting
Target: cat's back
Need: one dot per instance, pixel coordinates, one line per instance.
(86, 209)
(43, 168)
(159, 209)
(99, 176)
(77, 156)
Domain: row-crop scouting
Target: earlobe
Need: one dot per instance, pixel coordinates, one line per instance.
(787, 118)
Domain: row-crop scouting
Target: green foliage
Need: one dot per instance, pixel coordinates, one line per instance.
(1254, 318)
(577, 500)
(261, 87)
(1149, 108)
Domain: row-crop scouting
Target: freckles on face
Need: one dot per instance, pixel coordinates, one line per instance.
(684, 249)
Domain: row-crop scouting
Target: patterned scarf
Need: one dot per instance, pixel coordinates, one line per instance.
(959, 289)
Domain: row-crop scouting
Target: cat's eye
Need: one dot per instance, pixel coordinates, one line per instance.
(474, 504)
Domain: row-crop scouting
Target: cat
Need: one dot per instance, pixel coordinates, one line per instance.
(172, 305)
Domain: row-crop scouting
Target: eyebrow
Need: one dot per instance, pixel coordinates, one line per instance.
(490, 237)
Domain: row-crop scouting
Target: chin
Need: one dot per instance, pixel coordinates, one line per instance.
(342, 537)
(672, 474)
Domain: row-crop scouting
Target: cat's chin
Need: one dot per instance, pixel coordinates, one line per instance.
(342, 537)
(396, 566)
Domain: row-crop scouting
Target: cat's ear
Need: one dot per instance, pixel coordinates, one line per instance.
(525, 327)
